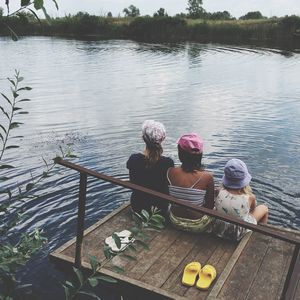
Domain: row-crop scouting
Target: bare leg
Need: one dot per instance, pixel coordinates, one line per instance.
(261, 214)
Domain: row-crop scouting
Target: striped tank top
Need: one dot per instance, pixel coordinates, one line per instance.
(189, 194)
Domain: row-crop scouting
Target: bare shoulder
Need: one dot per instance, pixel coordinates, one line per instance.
(208, 175)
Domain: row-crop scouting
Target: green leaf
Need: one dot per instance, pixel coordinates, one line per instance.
(146, 215)
(93, 281)
(135, 230)
(2, 127)
(129, 257)
(22, 113)
(79, 275)
(159, 217)
(36, 16)
(143, 244)
(117, 240)
(45, 174)
(55, 4)
(6, 114)
(131, 247)
(67, 292)
(19, 79)
(6, 167)
(6, 98)
(15, 125)
(107, 253)
(157, 226)
(38, 4)
(91, 294)
(16, 108)
(12, 147)
(25, 88)
(25, 2)
(94, 263)
(118, 269)
(23, 100)
(29, 186)
(69, 284)
(11, 81)
(48, 18)
(15, 94)
(106, 279)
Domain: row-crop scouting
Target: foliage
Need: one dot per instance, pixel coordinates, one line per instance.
(12, 257)
(14, 254)
(131, 11)
(84, 284)
(252, 15)
(195, 9)
(109, 14)
(159, 28)
(290, 22)
(27, 9)
(160, 13)
(219, 15)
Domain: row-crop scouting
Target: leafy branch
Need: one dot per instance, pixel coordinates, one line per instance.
(9, 115)
(143, 221)
(12, 257)
(30, 6)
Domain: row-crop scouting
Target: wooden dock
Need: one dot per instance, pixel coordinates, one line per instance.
(254, 268)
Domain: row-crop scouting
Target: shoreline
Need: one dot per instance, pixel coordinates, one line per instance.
(279, 33)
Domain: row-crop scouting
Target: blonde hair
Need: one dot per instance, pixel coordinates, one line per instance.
(152, 154)
(247, 190)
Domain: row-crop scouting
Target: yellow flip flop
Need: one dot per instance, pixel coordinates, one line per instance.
(206, 276)
(190, 273)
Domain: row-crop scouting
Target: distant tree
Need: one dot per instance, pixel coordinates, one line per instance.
(181, 15)
(219, 15)
(131, 11)
(160, 13)
(195, 9)
(109, 14)
(251, 15)
(1, 12)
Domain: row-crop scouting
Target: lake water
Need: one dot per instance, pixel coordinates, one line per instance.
(244, 102)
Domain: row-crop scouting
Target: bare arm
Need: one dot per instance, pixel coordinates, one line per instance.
(252, 202)
(210, 193)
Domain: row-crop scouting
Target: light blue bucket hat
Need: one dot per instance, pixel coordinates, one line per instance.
(236, 175)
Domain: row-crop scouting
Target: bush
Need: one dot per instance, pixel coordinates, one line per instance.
(158, 28)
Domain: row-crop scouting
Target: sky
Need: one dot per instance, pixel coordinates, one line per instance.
(237, 8)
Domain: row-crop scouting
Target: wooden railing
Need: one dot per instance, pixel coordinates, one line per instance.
(293, 275)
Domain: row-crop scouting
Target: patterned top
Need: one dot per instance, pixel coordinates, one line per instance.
(189, 194)
(232, 204)
(235, 206)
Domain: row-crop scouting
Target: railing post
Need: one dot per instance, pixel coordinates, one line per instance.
(292, 277)
(80, 218)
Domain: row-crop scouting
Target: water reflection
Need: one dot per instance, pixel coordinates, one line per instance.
(96, 94)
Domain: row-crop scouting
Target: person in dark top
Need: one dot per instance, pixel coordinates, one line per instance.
(150, 168)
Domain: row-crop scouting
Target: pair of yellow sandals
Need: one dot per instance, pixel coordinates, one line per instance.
(206, 275)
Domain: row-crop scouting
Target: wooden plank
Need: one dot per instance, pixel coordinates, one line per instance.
(93, 242)
(244, 272)
(157, 246)
(270, 273)
(93, 227)
(227, 270)
(204, 247)
(218, 259)
(169, 260)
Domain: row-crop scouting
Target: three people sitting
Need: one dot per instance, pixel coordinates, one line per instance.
(191, 183)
